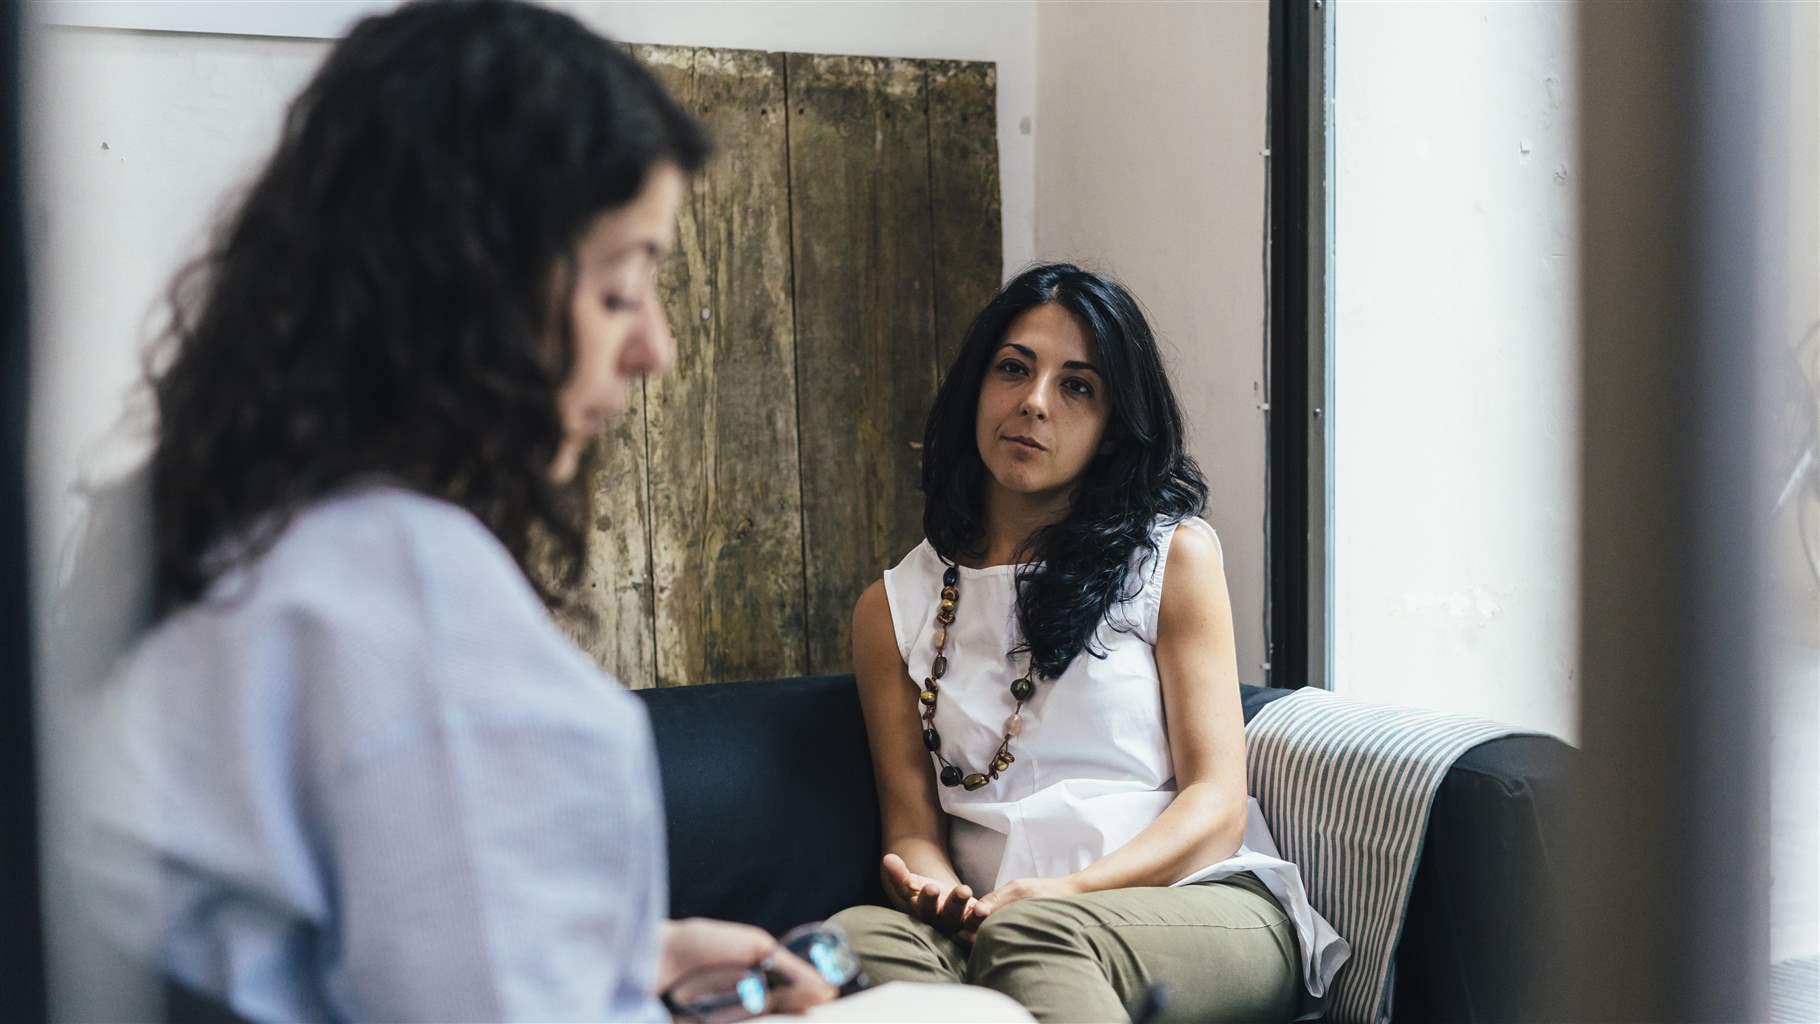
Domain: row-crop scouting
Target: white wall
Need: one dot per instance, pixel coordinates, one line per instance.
(1456, 359)
(136, 141)
(1793, 593)
(1456, 352)
(1151, 123)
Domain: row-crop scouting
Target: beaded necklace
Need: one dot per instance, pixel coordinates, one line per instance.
(1022, 688)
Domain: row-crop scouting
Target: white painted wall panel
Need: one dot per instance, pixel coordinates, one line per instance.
(1456, 359)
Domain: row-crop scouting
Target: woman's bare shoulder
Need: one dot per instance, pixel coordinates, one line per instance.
(874, 638)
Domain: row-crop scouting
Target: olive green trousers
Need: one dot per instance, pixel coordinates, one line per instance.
(1223, 951)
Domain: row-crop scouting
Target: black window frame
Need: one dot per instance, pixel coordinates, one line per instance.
(1297, 479)
(22, 979)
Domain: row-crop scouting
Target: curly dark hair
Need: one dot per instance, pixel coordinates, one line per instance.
(1075, 570)
(380, 301)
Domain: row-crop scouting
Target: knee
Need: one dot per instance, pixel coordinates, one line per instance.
(1043, 928)
(866, 923)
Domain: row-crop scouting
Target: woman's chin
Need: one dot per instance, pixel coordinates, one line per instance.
(1027, 485)
(566, 464)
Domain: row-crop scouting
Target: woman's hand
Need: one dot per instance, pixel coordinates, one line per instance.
(700, 942)
(1021, 889)
(945, 908)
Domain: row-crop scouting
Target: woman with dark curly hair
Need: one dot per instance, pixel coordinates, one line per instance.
(1055, 724)
(356, 770)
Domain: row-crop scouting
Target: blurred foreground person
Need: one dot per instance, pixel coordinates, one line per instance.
(354, 771)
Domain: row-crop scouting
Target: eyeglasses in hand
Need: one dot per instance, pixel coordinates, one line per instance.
(722, 993)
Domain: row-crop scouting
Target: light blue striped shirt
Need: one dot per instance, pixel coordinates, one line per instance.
(369, 779)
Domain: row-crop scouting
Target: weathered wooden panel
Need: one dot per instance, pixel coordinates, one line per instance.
(726, 500)
(614, 620)
(866, 358)
(829, 259)
(964, 196)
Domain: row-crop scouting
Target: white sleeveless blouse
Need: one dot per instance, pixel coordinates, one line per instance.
(1093, 764)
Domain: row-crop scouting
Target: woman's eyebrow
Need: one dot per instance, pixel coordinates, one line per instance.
(646, 247)
(1029, 353)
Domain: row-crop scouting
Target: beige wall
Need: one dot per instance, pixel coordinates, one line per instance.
(1150, 138)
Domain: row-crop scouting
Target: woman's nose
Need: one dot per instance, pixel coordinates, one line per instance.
(652, 348)
(1035, 403)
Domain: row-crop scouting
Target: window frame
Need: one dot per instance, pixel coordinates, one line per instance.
(1298, 347)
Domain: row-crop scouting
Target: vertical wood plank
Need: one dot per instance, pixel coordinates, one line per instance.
(859, 181)
(616, 593)
(726, 533)
(614, 618)
(613, 613)
(964, 196)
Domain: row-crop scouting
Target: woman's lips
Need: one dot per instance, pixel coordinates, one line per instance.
(1019, 439)
(598, 419)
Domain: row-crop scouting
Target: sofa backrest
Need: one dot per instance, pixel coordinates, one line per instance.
(768, 795)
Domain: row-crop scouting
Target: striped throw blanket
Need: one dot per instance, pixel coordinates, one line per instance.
(1346, 788)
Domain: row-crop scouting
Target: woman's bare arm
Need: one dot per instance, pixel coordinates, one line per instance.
(915, 830)
(1198, 665)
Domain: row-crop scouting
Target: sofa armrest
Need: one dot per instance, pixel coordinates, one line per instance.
(1475, 945)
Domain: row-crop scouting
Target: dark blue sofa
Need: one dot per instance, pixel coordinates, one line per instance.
(773, 820)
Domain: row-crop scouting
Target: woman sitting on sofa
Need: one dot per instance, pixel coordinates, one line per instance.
(1051, 695)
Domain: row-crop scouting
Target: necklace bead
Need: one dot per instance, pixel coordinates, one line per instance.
(1014, 725)
(1022, 689)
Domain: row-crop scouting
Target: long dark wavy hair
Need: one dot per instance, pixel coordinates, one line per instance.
(1073, 571)
(380, 302)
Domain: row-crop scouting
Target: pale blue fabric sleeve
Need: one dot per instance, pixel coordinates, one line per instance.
(491, 872)
(500, 855)
(372, 780)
